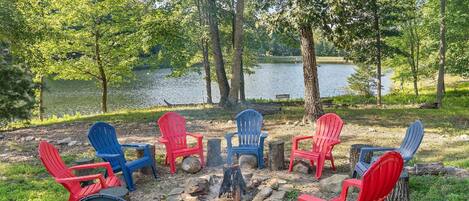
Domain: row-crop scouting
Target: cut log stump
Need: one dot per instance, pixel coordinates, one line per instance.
(429, 169)
(140, 153)
(214, 152)
(401, 189)
(276, 155)
(84, 172)
(355, 155)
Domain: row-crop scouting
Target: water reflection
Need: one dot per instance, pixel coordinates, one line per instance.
(151, 87)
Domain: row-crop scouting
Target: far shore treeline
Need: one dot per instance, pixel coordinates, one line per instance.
(105, 41)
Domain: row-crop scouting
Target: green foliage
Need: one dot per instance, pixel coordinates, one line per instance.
(438, 188)
(362, 81)
(292, 195)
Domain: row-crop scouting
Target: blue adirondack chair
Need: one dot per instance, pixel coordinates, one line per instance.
(250, 136)
(104, 140)
(409, 146)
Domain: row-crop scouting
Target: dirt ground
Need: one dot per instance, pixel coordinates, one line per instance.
(16, 148)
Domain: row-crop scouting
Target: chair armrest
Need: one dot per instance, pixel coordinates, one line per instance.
(195, 135)
(106, 165)
(365, 150)
(108, 156)
(297, 139)
(135, 145)
(263, 134)
(349, 183)
(228, 137)
(84, 178)
(163, 140)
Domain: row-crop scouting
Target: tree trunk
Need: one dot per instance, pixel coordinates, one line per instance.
(276, 155)
(378, 55)
(400, 192)
(242, 92)
(217, 53)
(313, 106)
(204, 45)
(238, 52)
(442, 54)
(102, 74)
(41, 97)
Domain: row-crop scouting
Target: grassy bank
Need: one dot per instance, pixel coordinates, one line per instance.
(298, 59)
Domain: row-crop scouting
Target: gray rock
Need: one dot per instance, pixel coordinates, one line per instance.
(248, 162)
(187, 197)
(196, 186)
(29, 138)
(64, 141)
(263, 194)
(277, 195)
(191, 164)
(174, 198)
(332, 183)
(302, 167)
(72, 143)
(176, 191)
(229, 121)
(2, 137)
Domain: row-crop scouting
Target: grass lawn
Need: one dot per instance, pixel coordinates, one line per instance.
(27, 180)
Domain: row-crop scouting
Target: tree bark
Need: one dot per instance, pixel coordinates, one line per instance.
(378, 54)
(204, 45)
(41, 97)
(276, 155)
(238, 52)
(217, 53)
(441, 70)
(102, 73)
(400, 191)
(242, 92)
(313, 106)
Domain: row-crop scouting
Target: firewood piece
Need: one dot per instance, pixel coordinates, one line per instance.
(401, 189)
(276, 155)
(140, 153)
(84, 172)
(233, 183)
(355, 155)
(429, 169)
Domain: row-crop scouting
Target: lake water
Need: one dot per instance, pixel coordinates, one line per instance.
(151, 87)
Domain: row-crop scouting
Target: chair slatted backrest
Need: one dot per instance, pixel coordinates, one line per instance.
(328, 128)
(103, 138)
(249, 123)
(412, 140)
(173, 128)
(54, 164)
(380, 178)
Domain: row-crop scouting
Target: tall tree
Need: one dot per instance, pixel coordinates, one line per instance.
(442, 54)
(303, 16)
(217, 52)
(203, 22)
(100, 41)
(238, 52)
(361, 28)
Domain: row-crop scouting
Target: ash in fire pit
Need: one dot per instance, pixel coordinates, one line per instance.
(233, 184)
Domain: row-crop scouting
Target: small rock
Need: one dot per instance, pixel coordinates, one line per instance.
(229, 122)
(247, 176)
(285, 187)
(277, 195)
(22, 139)
(248, 162)
(263, 194)
(296, 123)
(332, 183)
(174, 198)
(187, 197)
(287, 123)
(64, 141)
(189, 123)
(191, 164)
(462, 138)
(302, 167)
(273, 183)
(2, 137)
(176, 191)
(29, 138)
(196, 186)
(253, 183)
(372, 130)
(209, 178)
(72, 143)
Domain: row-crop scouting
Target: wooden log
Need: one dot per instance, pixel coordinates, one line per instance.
(429, 169)
(83, 172)
(147, 169)
(400, 191)
(120, 192)
(276, 155)
(355, 155)
(233, 184)
(214, 152)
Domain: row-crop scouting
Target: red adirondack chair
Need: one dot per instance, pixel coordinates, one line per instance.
(173, 131)
(377, 182)
(328, 128)
(62, 174)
